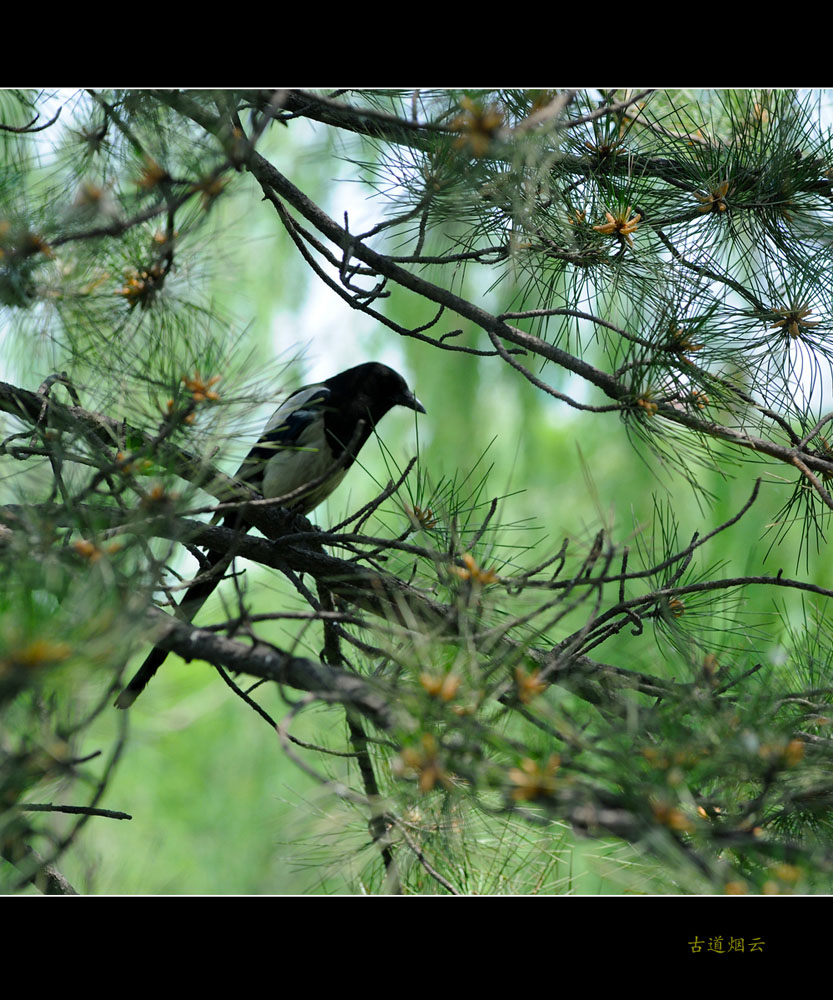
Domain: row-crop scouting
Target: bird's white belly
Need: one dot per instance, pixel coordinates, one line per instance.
(291, 468)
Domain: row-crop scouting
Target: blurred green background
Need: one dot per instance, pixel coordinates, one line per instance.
(216, 805)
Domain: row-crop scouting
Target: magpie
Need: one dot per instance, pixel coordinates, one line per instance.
(319, 429)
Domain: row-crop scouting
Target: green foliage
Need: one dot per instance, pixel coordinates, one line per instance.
(561, 650)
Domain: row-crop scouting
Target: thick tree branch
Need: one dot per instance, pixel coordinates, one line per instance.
(113, 435)
(271, 664)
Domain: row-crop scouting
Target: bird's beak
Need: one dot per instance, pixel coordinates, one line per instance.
(409, 399)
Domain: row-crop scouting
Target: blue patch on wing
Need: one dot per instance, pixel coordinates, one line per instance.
(285, 436)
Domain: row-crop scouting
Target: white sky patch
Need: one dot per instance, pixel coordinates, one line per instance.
(331, 334)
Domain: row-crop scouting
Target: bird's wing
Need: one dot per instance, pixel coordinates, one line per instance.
(293, 448)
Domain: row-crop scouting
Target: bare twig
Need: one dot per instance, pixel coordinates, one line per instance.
(30, 126)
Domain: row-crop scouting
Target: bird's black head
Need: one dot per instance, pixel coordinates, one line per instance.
(373, 389)
(364, 393)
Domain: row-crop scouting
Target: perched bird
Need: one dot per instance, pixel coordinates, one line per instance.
(307, 436)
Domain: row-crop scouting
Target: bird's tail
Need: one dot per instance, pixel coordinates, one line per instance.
(191, 603)
(153, 662)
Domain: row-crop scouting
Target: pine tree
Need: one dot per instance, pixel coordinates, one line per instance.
(655, 261)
